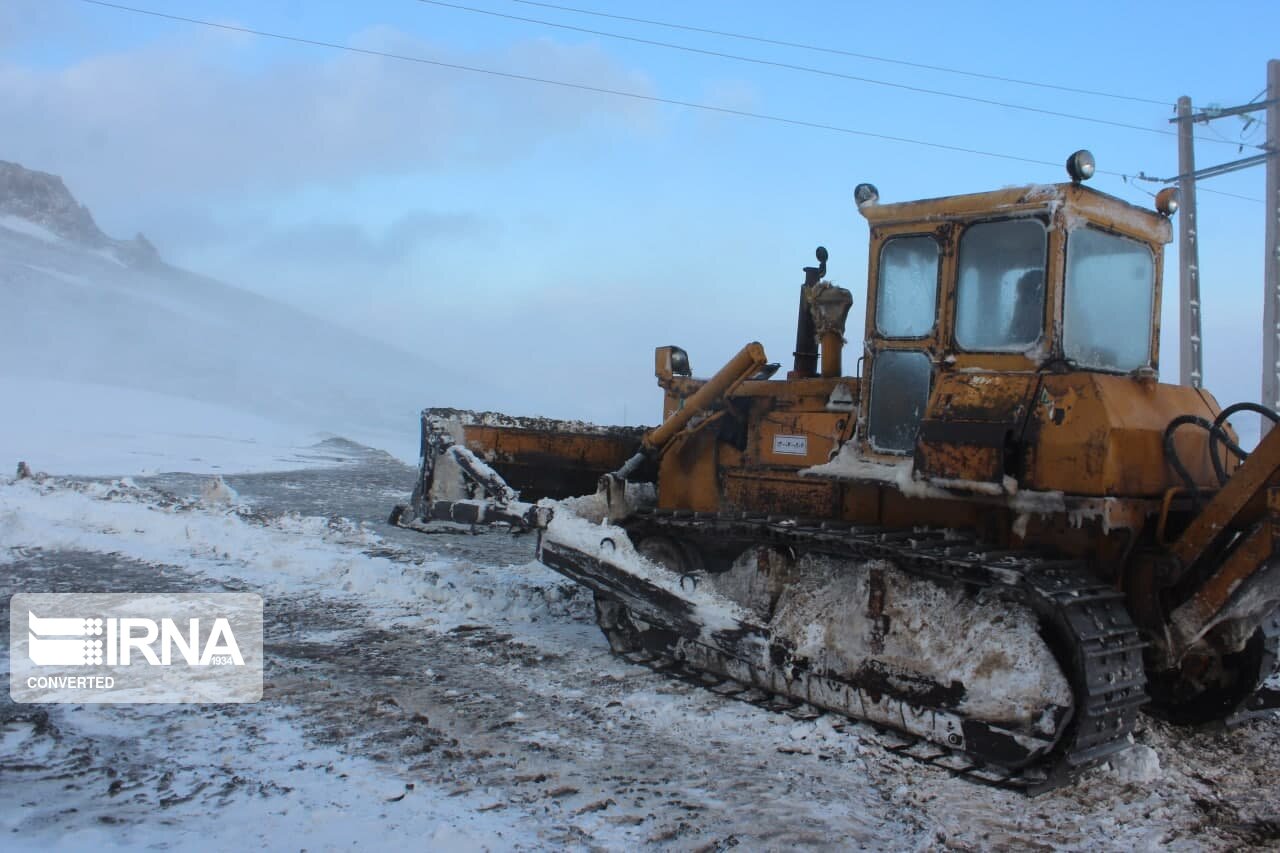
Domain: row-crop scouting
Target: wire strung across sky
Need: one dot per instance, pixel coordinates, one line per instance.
(840, 52)
(818, 71)
(510, 75)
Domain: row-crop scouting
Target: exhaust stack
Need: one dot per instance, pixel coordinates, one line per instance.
(806, 354)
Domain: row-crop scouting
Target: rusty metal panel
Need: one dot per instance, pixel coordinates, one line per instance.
(1002, 202)
(545, 463)
(937, 457)
(898, 511)
(987, 397)
(973, 419)
(860, 502)
(780, 493)
(1081, 200)
(1117, 215)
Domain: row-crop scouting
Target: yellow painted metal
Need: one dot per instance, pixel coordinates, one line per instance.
(1244, 495)
(1097, 434)
(747, 363)
(1196, 616)
(832, 346)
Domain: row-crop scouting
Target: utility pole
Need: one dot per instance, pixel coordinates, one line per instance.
(1271, 274)
(1189, 262)
(1189, 353)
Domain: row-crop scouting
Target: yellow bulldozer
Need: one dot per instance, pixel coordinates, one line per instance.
(999, 539)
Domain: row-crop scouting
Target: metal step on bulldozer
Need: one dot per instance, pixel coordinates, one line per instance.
(998, 542)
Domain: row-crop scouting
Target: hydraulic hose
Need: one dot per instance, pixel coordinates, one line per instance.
(1171, 453)
(1219, 434)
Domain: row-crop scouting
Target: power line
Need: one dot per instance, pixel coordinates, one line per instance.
(839, 52)
(568, 85)
(1229, 195)
(811, 70)
(595, 89)
(1142, 176)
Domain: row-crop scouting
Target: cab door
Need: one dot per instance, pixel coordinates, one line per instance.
(904, 339)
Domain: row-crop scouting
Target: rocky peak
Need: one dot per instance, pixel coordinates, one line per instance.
(44, 200)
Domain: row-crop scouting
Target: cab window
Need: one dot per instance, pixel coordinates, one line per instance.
(1000, 293)
(1106, 321)
(907, 292)
(899, 396)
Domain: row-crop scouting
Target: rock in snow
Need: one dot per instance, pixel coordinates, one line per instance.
(1138, 764)
(216, 492)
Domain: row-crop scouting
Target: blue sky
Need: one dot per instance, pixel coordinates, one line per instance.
(554, 236)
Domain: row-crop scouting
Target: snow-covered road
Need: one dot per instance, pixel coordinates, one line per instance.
(448, 691)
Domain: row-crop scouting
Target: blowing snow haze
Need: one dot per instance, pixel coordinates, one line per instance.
(102, 337)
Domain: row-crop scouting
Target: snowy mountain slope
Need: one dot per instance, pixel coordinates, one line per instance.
(106, 430)
(81, 308)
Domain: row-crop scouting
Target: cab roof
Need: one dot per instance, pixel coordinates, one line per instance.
(1074, 200)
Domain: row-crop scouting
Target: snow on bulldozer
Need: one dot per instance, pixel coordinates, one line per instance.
(998, 541)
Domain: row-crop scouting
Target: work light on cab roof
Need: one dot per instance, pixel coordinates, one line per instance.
(864, 194)
(1081, 165)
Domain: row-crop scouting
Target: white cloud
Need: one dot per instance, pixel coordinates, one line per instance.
(193, 115)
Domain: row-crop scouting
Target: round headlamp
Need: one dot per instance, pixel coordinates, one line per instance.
(1167, 200)
(1081, 166)
(680, 362)
(864, 194)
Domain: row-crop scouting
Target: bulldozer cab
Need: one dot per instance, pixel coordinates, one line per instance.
(1051, 278)
(1011, 346)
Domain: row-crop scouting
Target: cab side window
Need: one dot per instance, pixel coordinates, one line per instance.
(907, 292)
(899, 394)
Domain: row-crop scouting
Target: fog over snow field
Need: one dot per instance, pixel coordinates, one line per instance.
(438, 691)
(114, 362)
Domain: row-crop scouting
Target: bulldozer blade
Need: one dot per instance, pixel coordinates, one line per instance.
(535, 458)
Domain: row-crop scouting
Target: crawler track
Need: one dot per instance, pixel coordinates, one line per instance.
(918, 749)
(1086, 623)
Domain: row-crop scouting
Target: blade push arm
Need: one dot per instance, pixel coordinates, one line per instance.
(1245, 585)
(747, 363)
